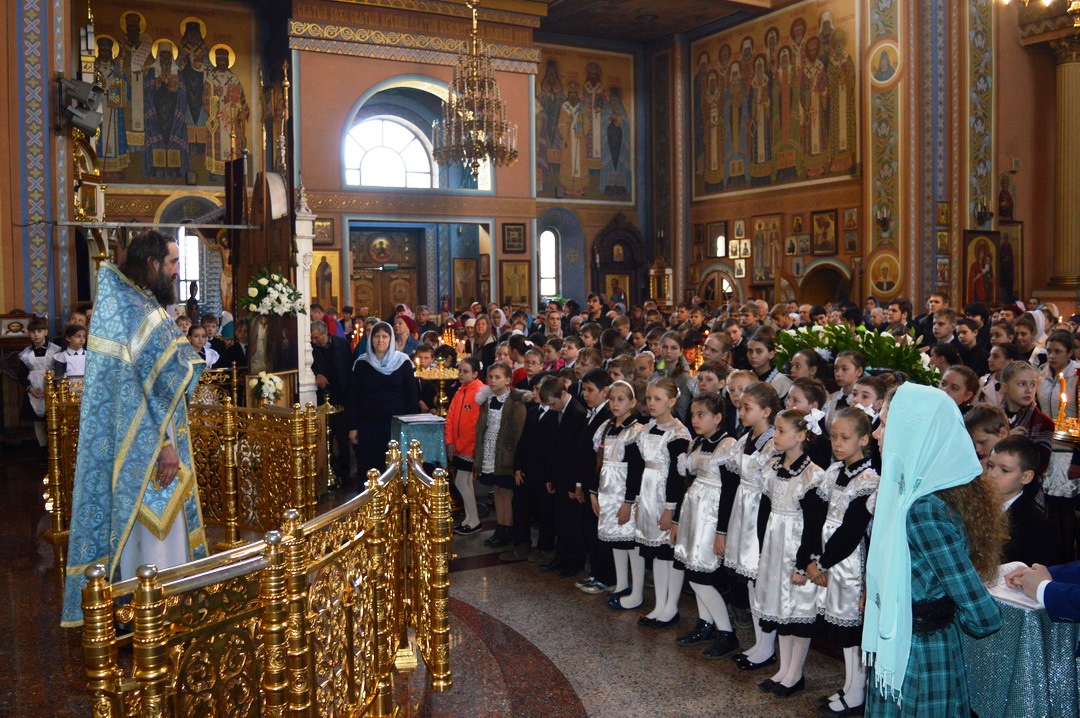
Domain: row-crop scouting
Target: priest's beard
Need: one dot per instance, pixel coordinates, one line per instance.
(162, 288)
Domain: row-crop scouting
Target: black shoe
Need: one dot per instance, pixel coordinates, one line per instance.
(826, 700)
(657, 623)
(703, 631)
(552, 566)
(463, 530)
(495, 537)
(782, 691)
(767, 686)
(646, 622)
(615, 603)
(725, 643)
(847, 710)
(745, 664)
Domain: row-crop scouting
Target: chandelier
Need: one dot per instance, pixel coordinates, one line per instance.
(473, 126)
(1072, 7)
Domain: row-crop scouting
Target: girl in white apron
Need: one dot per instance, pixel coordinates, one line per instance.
(695, 535)
(615, 526)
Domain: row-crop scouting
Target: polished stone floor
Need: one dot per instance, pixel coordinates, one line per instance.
(524, 643)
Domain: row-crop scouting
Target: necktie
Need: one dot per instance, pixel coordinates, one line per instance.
(495, 404)
(40, 351)
(842, 401)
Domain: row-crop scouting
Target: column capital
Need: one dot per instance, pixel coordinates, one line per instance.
(1067, 49)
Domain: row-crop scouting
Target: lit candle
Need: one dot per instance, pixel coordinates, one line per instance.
(1064, 400)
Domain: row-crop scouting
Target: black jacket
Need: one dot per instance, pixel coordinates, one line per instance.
(565, 464)
(334, 362)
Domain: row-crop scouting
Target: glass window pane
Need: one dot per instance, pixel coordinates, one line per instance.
(416, 157)
(352, 177)
(353, 154)
(418, 180)
(382, 167)
(548, 287)
(367, 134)
(548, 253)
(395, 136)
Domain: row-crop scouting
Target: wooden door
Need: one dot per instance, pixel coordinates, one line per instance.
(385, 269)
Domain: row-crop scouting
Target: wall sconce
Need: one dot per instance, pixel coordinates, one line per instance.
(883, 217)
(981, 210)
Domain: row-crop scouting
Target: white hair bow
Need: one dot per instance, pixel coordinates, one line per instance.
(813, 421)
(868, 410)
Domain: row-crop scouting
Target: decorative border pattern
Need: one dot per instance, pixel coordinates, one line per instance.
(35, 198)
(366, 202)
(885, 128)
(383, 52)
(319, 31)
(454, 10)
(65, 292)
(934, 112)
(980, 102)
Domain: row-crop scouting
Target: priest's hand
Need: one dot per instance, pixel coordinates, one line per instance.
(168, 464)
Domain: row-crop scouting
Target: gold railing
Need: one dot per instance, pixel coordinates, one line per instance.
(429, 553)
(306, 622)
(251, 464)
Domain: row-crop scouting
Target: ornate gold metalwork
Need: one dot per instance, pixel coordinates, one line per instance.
(429, 546)
(306, 622)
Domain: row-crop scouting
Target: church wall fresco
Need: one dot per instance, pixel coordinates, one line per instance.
(776, 101)
(585, 125)
(180, 91)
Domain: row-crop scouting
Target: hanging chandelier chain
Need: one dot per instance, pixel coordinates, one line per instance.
(474, 127)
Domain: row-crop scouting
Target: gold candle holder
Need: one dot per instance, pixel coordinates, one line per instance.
(441, 376)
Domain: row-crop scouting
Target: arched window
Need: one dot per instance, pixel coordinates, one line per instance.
(549, 263)
(387, 151)
(189, 265)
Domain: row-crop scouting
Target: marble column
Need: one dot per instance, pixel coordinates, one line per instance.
(1066, 270)
(304, 234)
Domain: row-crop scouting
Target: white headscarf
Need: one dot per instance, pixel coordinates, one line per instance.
(393, 358)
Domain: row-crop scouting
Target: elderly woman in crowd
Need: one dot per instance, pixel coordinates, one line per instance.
(383, 386)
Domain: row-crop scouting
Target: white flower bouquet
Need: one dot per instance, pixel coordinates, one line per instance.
(882, 350)
(272, 294)
(267, 386)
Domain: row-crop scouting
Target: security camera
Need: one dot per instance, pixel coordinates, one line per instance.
(77, 92)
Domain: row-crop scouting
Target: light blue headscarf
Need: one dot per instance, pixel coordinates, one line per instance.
(391, 360)
(925, 449)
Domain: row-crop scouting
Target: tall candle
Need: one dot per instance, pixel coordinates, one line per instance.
(1064, 399)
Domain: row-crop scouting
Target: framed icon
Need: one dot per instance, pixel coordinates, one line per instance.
(740, 268)
(823, 232)
(513, 238)
(324, 232)
(733, 249)
(740, 228)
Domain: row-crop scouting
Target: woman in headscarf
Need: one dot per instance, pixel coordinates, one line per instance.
(406, 334)
(937, 536)
(483, 344)
(499, 324)
(383, 386)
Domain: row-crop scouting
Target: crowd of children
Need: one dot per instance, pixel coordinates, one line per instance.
(757, 484)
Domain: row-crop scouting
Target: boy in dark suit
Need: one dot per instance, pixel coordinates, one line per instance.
(1011, 470)
(594, 386)
(561, 479)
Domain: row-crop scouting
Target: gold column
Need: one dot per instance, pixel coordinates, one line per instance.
(1067, 187)
(228, 479)
(148, 646)
(103, 672)
(275, 622)
(442, 531)
(298, 657)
